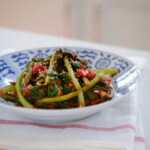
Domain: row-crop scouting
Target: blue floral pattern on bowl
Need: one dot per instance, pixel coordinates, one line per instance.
(12, 64)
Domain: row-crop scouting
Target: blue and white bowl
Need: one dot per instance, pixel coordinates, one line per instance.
(124, 82)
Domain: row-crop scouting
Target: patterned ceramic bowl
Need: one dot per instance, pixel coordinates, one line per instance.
(124, 82)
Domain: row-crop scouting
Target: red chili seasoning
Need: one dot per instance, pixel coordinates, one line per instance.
(37, 69)
(102, 93)
(42, 89)
(82, 72)
(73, 56)
(32, 65)
(34, 107)
(26, 92)
(108, 85)
(87, 101)
(59, 92)
(30, 86)
(51, 106)
(91, 74)
(61, 55)
(39, 101)
(108, 95)
(96, 101)
(85, 60)
(1, 91)
(105, 79)
(82, 66)
(19, 105)
(70, 85)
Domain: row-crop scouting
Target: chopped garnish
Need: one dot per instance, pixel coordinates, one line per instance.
(60, 81)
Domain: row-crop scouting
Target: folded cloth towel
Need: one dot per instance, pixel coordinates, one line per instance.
(117, 127)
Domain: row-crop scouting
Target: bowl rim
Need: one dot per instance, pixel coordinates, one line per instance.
(13, 107)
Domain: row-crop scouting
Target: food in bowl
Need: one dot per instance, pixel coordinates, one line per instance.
(58, 82)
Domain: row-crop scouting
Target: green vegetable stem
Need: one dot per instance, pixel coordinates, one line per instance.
(21, 99)
(107, 71)
(75, 82)
(73, 94)
(50, 68)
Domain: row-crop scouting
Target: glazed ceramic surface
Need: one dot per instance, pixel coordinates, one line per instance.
(124, 82)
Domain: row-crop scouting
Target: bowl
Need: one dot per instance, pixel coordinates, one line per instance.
(124, 82)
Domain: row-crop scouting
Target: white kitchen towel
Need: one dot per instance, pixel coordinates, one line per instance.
(117, 127)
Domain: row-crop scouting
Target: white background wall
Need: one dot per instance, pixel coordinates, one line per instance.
(126, 23)
(118, 22)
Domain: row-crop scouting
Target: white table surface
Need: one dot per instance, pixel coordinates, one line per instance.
(13, 40)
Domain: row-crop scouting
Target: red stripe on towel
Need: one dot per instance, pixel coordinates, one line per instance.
(126, 126)
(139, 139)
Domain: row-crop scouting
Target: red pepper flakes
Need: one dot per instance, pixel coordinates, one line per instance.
(34, 97)
(99, 92)
(42, 89)
(102, 93)
(82, 66)
(51, 87)
(60, 54)
(73, 89)
(84, 60)
(55, 66)
(82, 72)
(26, 92)
(87, 92)
(52, 106)
(91, 74)
(105, 79)
(39, 101)
(19, 105)
(32, 65)
(34, 107)
(70, 85)
(108, 95)
(15, 92)
(73, 55)
(87, 101)
(45, 71)
(1, 91)
(59, 92)
(37, 69)
(108, 86)
(30, 86)
(86, 73)
(96, 101)
(93, 102)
